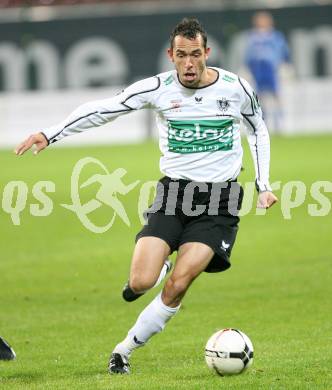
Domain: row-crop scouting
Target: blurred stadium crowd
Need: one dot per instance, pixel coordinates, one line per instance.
(260, 3)
(28, 3)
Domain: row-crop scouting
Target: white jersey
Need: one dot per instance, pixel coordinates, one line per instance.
(199, 128)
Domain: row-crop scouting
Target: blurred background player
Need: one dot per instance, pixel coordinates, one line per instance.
(266, 51)
(6, 351)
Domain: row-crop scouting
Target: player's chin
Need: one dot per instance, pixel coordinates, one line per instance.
(189, 80)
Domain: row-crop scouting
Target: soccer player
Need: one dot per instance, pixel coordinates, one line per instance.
(266, 51)
(199, 110)
(6, 351)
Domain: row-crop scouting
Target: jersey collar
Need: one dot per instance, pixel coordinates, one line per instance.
(204, 86)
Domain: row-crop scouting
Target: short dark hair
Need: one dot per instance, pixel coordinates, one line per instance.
(189, 28)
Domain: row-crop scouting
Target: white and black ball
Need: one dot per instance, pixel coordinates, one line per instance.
(229, 352)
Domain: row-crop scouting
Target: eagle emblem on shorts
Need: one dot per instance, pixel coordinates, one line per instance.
(223, 104)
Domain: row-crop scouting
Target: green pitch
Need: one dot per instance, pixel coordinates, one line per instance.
(60, 296)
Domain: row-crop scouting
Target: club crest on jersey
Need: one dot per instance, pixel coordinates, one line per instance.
(223, 104)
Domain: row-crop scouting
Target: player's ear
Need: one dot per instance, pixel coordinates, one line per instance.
(170, 54)
(207, 52)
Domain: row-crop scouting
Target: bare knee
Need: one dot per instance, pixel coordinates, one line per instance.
(141, 283)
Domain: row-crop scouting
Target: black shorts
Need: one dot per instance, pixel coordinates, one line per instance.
(185, 211)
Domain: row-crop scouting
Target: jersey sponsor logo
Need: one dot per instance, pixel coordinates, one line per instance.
(176, 105)
(200, 136)
(199, 99)
(223, 104)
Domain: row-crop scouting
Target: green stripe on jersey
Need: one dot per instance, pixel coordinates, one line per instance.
(228, 78)
(169, 80)
(200, 136)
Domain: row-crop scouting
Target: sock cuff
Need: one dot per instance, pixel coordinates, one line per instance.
(160, 303)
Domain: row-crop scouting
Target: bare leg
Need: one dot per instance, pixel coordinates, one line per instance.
(192, 259)
(147, 261)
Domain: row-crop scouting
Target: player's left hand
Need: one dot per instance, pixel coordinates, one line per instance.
(266, 199)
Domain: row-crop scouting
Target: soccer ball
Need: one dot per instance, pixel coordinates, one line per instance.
(229, 352)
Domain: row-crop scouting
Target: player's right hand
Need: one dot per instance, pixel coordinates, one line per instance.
(38, 140)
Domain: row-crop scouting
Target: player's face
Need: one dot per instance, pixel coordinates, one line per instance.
(189, 57)
(263, 21)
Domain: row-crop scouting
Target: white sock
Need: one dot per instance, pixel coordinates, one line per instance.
(152, 320)
(162, 275)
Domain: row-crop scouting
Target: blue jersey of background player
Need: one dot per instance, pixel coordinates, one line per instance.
(266, 50)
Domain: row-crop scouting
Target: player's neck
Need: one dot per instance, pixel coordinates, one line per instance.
(209, 76)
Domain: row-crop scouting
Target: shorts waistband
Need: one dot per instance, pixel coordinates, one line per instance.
(185, 181)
